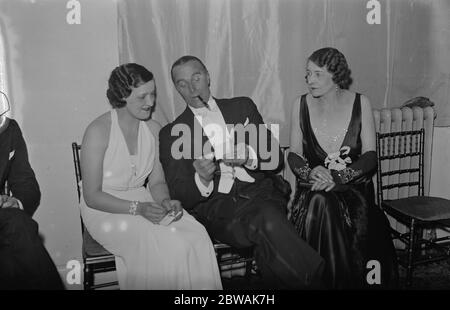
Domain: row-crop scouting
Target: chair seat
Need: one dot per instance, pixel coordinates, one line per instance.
(423, 208)
(92, 248)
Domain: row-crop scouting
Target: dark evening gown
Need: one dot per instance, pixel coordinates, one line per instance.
(344, 225)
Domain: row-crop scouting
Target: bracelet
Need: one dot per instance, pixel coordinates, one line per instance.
(133, 207)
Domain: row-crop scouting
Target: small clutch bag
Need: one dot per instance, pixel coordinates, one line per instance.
(169, 218)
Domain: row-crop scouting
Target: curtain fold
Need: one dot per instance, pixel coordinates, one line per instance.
(420, 54)
(4, 104)
(258, 48)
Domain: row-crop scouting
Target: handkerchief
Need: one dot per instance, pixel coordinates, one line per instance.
(11, 154)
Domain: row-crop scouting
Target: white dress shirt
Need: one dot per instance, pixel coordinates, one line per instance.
(213, 124)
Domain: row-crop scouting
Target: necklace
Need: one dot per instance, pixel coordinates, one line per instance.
(133, 165)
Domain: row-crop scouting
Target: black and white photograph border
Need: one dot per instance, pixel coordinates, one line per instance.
(56, 57)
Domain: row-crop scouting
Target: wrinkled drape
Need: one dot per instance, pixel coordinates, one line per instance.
(419, 53)
(258, 48)
(4, 105)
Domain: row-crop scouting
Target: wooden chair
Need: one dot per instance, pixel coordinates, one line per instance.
(235, 262)
(96, 259)
(401, 168)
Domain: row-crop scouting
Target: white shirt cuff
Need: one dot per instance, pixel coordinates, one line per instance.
(20, 204)
(205, 191)
(252, 155)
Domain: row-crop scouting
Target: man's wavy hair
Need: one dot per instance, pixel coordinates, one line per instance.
(184, 59)
(121, 81)
(335, 62)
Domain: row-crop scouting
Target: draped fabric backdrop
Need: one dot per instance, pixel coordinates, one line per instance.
(3, 80)
(258, 48)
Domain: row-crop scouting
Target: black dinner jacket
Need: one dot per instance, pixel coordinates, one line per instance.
(180, 173)
(16, 170)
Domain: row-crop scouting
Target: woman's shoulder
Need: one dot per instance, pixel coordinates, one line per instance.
(298, 100)
(154, 127)
(99, 128)
(366, 107)
(351, 94)
(302, 97)
(102, 122)
(296, 112)
(365, 103)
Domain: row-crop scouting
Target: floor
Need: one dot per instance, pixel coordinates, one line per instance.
(434, 276)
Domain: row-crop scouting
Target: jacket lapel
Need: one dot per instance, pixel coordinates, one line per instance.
(197, 133)
(5, 148)
(231, 112)
(226, 110)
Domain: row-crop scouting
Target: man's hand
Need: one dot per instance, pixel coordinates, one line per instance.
(205, 169)
(240, 156)
(8, 202)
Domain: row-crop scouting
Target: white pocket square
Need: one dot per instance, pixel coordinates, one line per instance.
(246, 122)
(11, 154)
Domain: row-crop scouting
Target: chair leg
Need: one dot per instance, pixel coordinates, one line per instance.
(248, 270)
(411, 252)
(88, 280)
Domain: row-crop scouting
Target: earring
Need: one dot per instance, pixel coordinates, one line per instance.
(338, 89)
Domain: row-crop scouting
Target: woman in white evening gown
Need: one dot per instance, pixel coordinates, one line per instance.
(119, 151)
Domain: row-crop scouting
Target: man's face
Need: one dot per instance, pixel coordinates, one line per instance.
(192, 80)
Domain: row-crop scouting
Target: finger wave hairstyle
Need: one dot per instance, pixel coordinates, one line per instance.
(335, 63)
(121, 81)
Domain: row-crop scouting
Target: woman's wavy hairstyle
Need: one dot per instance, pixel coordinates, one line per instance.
(335, 63)
(121, 81)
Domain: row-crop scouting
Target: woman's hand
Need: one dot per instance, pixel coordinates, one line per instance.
(152, 211)
(320, 174)
(320, 185)
(175, 206)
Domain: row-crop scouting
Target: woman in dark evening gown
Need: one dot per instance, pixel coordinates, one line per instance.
(333, 158)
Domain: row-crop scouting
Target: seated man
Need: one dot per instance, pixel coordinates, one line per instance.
(24, 262)
(217, 165)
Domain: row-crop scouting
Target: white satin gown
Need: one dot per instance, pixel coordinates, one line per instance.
(148, 256)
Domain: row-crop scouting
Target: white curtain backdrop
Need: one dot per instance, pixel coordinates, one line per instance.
(3, 79)
(258, 48)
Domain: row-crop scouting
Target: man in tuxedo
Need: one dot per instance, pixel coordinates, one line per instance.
(217, 162)
(24, 262)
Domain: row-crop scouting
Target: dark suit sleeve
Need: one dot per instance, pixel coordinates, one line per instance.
(21, 178)
(179, 173)
(269, 155)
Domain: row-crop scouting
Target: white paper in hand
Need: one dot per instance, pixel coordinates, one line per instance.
(169, 218)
